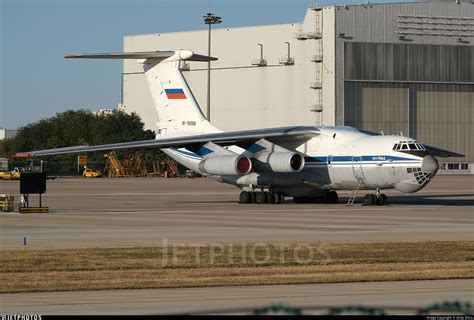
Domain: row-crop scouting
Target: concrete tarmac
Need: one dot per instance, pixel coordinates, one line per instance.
(396, 296)
(153, 211)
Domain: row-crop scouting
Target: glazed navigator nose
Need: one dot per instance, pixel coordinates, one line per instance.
(429, 164)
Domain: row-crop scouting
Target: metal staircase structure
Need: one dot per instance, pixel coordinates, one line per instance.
(131, 166)
(353, 194)
(318, 61)
(114, 167)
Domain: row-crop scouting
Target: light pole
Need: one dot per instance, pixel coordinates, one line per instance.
(288, 48)
(210, 19)
(261, 51)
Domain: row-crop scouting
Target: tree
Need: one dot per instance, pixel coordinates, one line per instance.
(72, 128)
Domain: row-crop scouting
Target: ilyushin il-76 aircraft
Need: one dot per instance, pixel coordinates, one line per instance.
(307, 163)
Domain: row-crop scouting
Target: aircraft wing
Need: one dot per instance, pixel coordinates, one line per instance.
(284, 135)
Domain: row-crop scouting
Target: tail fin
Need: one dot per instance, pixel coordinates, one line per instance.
(178, 111)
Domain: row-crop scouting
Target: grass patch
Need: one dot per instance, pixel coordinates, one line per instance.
(243, 264)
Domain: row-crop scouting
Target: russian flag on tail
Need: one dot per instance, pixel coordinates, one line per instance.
(175, 94)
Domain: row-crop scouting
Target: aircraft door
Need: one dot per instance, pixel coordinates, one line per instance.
(357, 168)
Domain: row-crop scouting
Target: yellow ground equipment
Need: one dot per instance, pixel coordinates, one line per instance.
(114, 167)
(7, 203)
(165, 167)
(4, 175)
(137, 165)
(11, 175)
(89, 173)
(34, 209)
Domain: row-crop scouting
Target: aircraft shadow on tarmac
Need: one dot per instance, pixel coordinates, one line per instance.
(454, 200)
(440, 200)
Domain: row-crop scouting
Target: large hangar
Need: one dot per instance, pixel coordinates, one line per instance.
(393, 68)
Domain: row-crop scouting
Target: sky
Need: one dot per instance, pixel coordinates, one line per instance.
(36, 82)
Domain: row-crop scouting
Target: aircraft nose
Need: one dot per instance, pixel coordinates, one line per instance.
(429, 164)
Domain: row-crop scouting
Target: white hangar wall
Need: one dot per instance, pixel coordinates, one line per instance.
(246, 96)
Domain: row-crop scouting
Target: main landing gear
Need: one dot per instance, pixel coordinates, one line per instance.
(329, 197)
(378, 199)
(261, 197)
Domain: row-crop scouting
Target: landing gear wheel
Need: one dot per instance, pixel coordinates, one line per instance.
(245, 197)
(275, 198)
(332, 197)
(252, 197)
(269, 197)
(381, 200)
(260, 197)
(282, 199)
(375, 200)
(370, 199)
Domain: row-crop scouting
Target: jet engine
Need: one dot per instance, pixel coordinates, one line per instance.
(226, 165)
(281, 162)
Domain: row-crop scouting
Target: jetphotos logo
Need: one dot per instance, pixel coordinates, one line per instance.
(216, 254)
(175, 94)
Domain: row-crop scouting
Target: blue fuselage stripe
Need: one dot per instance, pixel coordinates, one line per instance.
(323, 160)
(356, 159)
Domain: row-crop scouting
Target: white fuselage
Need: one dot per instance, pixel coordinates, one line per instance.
(339, 158)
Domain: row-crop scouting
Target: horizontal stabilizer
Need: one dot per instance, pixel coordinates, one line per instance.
(180, 55)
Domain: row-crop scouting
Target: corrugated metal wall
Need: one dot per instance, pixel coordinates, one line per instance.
(408, 62)
(377, 107)
(424, 91)
(437, 114)
(445, 117)
(447, 56)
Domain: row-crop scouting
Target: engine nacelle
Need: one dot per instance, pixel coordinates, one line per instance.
(281, 162)
(226, 165)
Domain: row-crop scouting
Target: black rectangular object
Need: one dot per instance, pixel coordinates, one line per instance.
(32, 182)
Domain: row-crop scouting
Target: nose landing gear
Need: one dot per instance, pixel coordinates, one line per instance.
(377, 199)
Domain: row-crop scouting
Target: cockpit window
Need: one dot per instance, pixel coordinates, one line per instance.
(420, 146)
(408, 145)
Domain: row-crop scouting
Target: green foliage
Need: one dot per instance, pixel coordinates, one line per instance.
(73, 128)
(3, 152)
